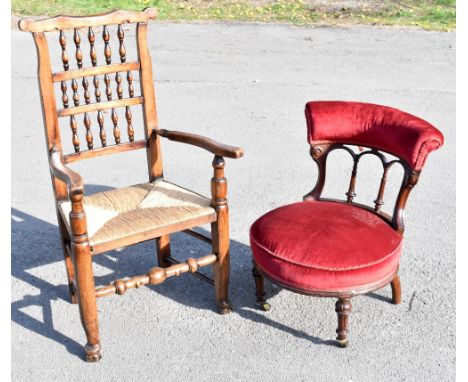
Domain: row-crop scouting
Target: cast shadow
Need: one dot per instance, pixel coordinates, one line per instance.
(35, 243)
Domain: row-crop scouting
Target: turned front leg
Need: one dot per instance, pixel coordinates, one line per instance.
(343, 309)
(84, 278)
(220, 235)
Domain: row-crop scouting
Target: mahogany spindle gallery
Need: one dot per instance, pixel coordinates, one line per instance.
(179, 211)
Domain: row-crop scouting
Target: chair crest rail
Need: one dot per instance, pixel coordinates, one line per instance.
(62, 22)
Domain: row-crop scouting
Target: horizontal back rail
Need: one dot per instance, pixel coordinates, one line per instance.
(100, 106)
(62, 22)
(95, 71)
(120, 148)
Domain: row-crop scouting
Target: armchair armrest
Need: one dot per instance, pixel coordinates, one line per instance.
(203, 142)
(65, 174)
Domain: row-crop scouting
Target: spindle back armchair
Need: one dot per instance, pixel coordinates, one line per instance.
(97, 223)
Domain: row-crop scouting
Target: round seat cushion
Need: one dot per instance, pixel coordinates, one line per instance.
(320, 246)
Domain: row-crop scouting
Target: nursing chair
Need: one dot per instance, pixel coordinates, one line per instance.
(339, 248)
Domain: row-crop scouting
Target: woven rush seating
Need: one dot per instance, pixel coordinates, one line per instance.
(127, 212)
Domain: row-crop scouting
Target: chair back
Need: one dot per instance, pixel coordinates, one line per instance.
(380, 130)
(94, 82)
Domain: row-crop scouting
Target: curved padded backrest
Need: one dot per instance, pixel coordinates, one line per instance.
(381, 127)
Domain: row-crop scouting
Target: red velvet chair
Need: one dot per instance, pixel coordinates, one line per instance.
(332, 248)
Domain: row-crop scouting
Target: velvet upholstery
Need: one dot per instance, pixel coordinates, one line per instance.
(325, 246)
(381, 127)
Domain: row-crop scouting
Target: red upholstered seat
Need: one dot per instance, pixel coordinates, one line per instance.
(325, 246)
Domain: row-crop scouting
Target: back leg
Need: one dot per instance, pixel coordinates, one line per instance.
(260, 289)
(396, 290)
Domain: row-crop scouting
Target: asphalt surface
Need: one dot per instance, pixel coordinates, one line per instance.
(246, 85)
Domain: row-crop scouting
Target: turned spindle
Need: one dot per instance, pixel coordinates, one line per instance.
(130, 131)
(379, 202)
(78, 53)
(102, 131)
(116, 130)
(75, 139)
(107, 49)
(352, 183)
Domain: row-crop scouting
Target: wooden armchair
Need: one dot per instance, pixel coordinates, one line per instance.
(339, 248)
(93, 224)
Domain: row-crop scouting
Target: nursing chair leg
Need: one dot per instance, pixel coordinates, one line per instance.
(260, 289)
(396, 290)
(343, 309)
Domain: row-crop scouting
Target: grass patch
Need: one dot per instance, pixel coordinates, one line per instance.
(428, 14)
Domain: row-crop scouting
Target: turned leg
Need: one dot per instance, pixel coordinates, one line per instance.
(260, 289)
(343, 309)
(84, 277)
(220, 236)
(163, 248)
(396, 290)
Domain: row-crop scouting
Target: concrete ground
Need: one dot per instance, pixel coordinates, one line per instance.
(246, 85)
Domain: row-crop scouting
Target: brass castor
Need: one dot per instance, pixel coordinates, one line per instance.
(263, 305)
(224, 308)
(343, 343)
(93, 353)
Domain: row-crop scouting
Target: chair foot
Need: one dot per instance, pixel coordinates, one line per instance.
(396, 290)
(263, 305)
(93, 353)
(224, 307)
(343, 343)
(343, 309)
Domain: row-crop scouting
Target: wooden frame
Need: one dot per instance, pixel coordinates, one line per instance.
(68, 185)
(319, 153)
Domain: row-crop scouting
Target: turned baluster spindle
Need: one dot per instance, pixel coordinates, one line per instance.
(131, 90)
(63, 44)
(63, 84)
(93, 56)
(108, 87)
(78, 54)
(107, 49)
(379, 201)
(102, 131)
(118, 79)
(352, 184)
(122, 50)
(97, 92)
(75, 139)
(92, 48)
(76, 96)
(116, 128)
(130, 131)
(89, 135)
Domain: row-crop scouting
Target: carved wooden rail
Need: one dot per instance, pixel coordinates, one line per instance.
(156, 275)
(320, 152)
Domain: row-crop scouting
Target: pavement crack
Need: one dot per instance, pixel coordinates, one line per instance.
(411, 301)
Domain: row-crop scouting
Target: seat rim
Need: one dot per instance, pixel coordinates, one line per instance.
(339, 293)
